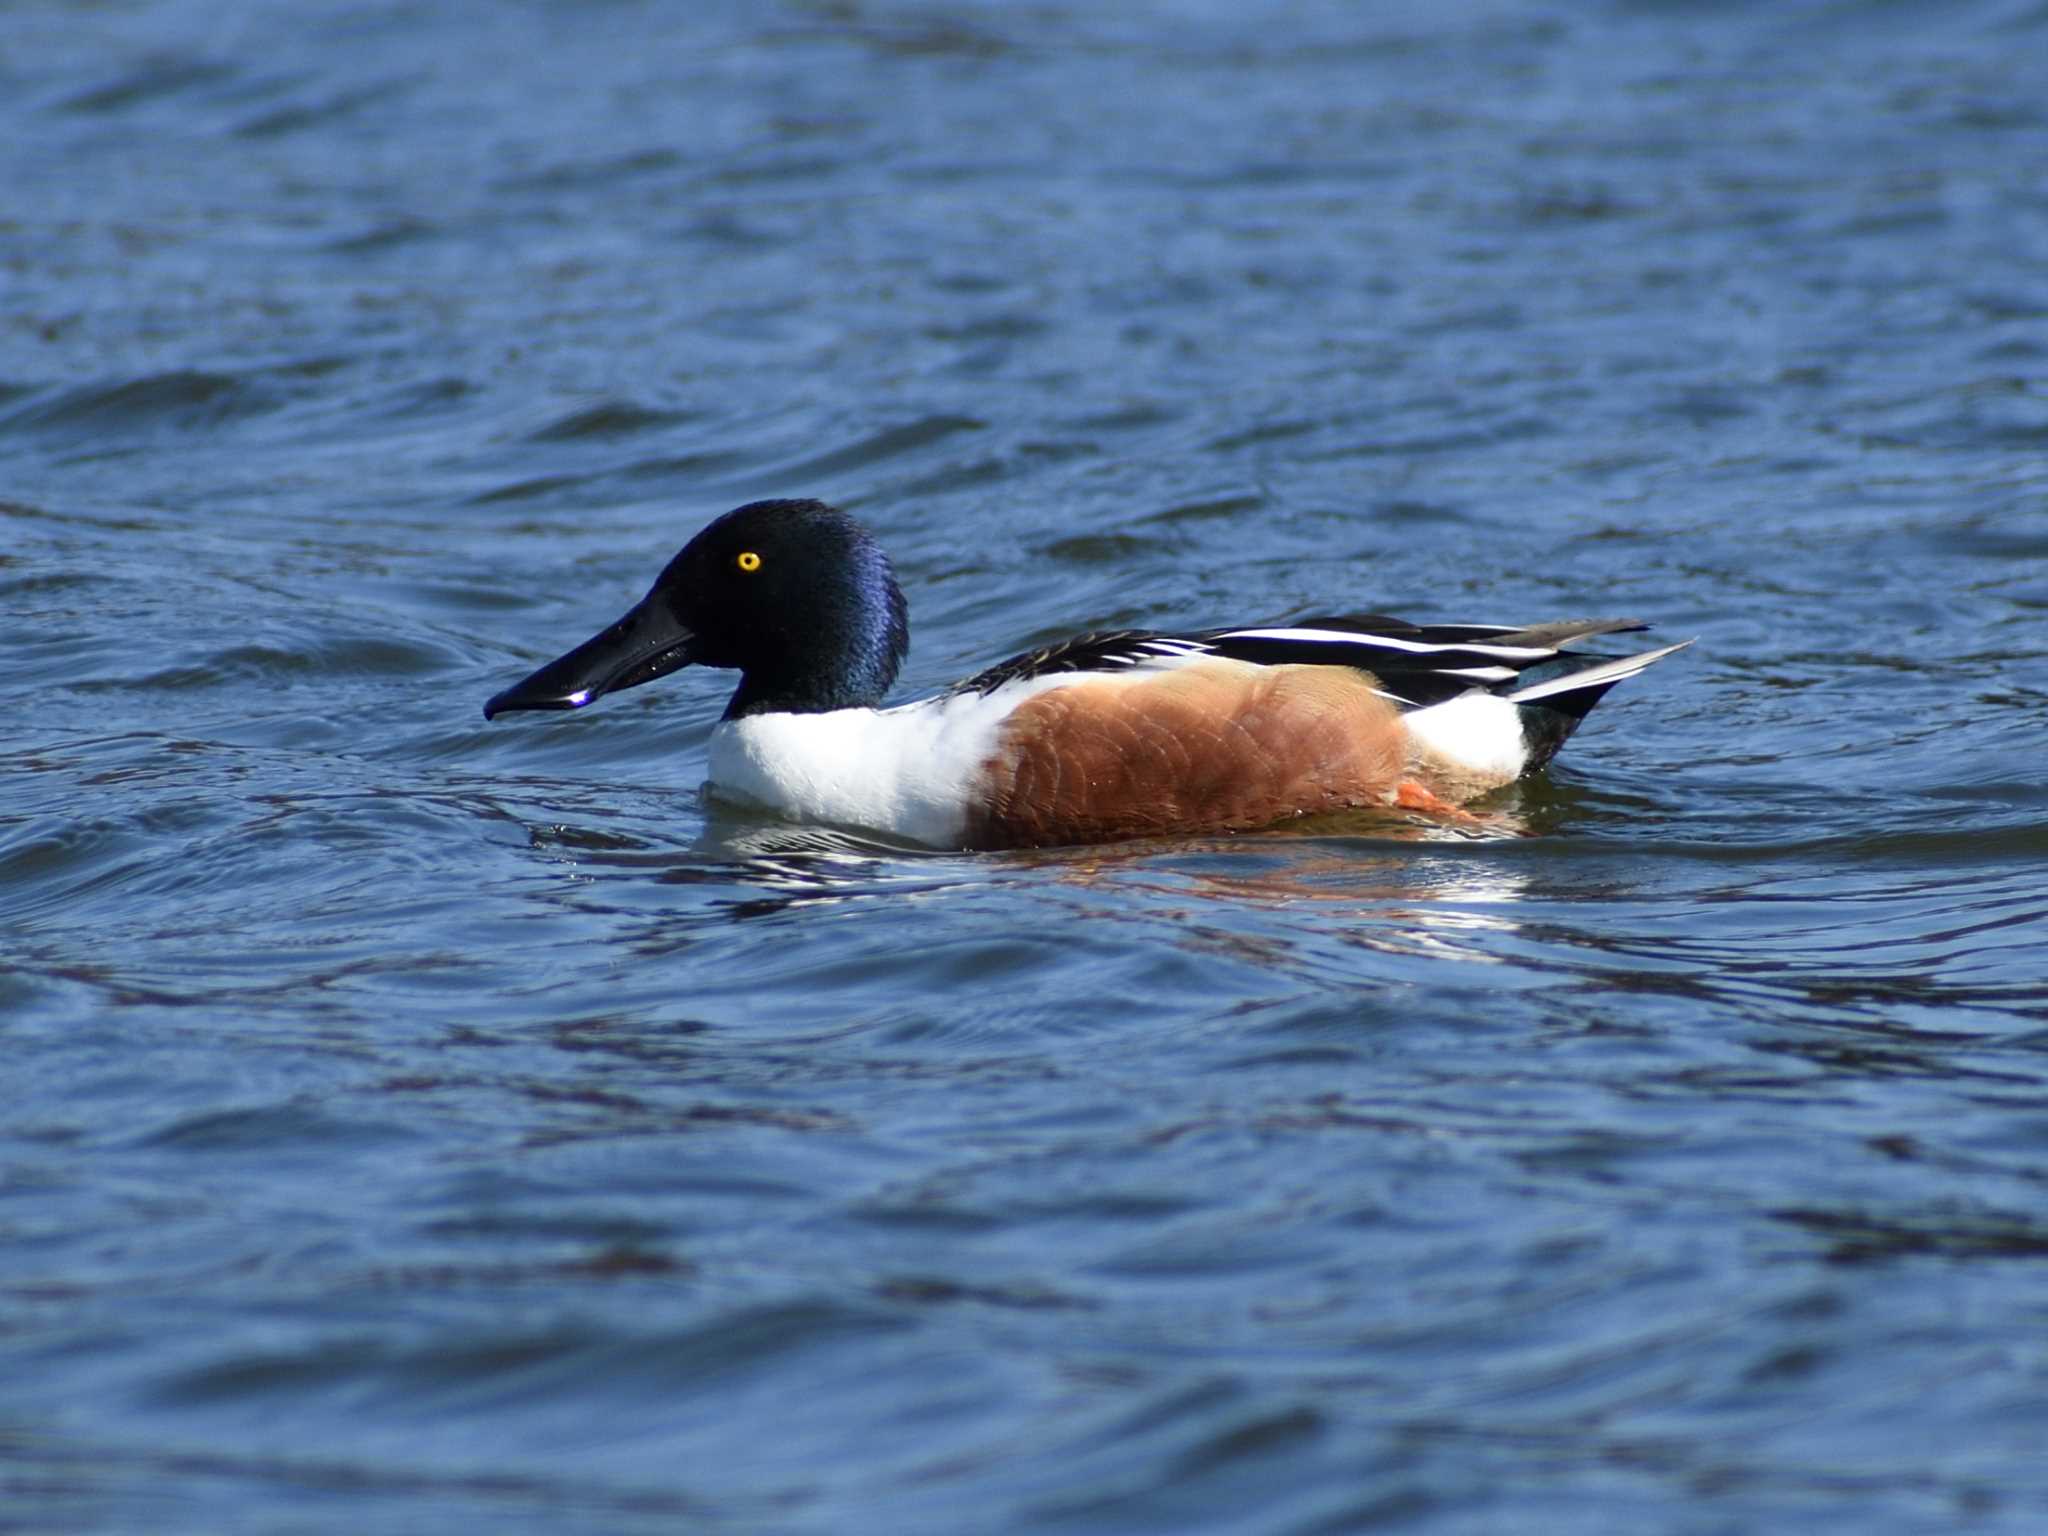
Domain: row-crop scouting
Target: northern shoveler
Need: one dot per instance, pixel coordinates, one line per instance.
(1104, 736)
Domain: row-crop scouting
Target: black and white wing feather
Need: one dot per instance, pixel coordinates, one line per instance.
(1109, 650)
(1416, 665)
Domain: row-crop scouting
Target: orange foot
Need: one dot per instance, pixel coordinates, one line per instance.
(1413, 796)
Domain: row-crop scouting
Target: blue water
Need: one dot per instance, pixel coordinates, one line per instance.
(419, 1125)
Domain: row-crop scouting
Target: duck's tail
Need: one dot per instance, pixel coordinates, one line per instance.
(1552, 709)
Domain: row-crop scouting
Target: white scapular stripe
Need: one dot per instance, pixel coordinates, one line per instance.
(1480, 674)
(1389, 643)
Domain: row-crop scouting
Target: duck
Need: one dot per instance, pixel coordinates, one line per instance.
(1105, 736)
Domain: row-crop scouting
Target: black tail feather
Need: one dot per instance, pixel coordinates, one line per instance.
(1551, 710)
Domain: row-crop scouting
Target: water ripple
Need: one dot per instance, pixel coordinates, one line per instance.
(470, 1124)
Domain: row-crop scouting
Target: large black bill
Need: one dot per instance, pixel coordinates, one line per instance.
(647, 643)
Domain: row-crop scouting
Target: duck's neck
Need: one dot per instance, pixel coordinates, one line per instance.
(843, 655)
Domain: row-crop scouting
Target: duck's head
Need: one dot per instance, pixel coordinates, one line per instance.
(793, 594)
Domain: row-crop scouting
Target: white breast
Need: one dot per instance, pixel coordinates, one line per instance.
(908, 772)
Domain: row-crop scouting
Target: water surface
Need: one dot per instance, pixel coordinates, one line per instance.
(417, 1123)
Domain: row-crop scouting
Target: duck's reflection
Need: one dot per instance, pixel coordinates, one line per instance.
(1417, 880)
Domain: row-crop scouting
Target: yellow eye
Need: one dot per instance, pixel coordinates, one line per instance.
(748, 561)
